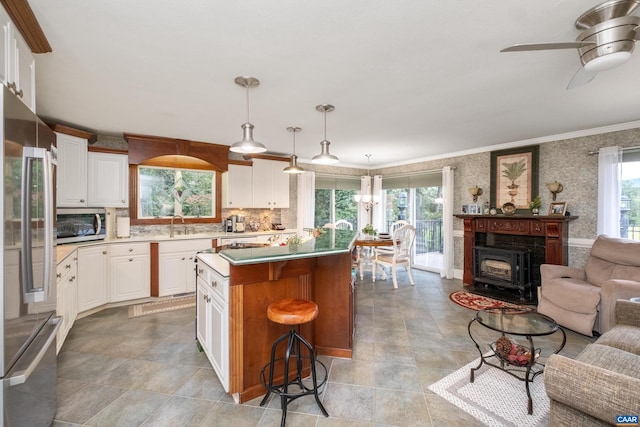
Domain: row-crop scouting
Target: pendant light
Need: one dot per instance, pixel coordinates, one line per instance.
(247, 145)
(293, 166)
(325, 158)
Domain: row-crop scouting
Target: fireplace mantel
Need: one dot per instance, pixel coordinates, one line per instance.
(554, 229)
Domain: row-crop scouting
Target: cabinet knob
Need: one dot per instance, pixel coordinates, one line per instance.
(104, 252)
(68, 266)
(200, 271)
(130, 249)
(214, 284)
(121, 201)
(81, 200)
(183, 258)
(130, 259)
(59, 275)
(72, 278)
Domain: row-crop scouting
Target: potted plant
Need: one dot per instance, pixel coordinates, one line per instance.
(368, 229)
(534, 205)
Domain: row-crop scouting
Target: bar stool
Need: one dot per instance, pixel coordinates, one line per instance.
(293, 312)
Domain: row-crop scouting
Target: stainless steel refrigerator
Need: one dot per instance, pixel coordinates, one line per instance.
(29, 324)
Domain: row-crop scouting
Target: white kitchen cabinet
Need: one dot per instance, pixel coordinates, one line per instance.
(176, 265)
(67, 295)
(17, 69)
(212, 327)
(129, 271)
(92, 277)
(108, 180)
(270, 184)
(237, 187)
(72, 171)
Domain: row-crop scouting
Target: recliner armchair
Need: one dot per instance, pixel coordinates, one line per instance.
(584, 299)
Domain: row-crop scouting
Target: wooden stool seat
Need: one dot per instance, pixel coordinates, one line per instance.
(292, 311)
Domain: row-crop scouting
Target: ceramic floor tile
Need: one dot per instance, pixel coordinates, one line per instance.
(406, 339)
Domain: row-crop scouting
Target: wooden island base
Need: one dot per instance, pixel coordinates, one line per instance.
(326, 280)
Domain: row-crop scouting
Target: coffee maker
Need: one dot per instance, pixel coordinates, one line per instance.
(229, 224)
(240, 224)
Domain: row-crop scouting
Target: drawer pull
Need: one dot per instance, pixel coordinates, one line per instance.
(59, 275)
(200, 271)
(130, 249)
(68, 266)
(72, 278)
(183, 258)
(214, 284)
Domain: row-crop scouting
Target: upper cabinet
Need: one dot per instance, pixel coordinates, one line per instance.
(72, 171)
(270, 184)
(108, 180)
(17, 67)
(237, 187)
(89, 178)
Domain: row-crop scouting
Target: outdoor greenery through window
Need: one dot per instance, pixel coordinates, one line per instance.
(164, 192)
(334, 199)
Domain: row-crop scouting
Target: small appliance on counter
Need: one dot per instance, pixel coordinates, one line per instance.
(229, 224)
(277, 227)
(240, 224)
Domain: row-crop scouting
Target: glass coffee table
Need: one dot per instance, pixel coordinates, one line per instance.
(519, 361)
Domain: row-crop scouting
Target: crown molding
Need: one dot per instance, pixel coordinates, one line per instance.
(22, 16)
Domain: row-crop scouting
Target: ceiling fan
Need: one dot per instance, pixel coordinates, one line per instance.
(607, 40)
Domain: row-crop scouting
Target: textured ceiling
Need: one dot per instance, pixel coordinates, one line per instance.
(410, 80)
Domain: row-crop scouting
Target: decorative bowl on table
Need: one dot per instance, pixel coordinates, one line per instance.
(513, 353)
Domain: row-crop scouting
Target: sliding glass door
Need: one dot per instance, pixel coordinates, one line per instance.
(418, 200)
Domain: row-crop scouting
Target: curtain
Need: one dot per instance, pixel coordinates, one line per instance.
(364, 216)
(609, 191)
(377, 212)
(306, 201)
(447, 223)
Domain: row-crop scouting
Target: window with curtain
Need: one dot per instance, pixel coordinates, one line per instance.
(334, 199)
(630, 199)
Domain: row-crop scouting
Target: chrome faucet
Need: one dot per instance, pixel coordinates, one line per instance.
(171, 227)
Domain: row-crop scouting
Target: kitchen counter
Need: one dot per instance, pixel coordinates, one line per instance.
(62, 251)
(319, 270)
(332, 242)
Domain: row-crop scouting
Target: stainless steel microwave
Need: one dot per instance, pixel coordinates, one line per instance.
(80, 224)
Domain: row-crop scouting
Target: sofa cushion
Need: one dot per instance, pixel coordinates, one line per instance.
(573, 295)
(611, 359)
(624, 337)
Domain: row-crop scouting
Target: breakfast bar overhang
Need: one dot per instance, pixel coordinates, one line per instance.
(320, 269)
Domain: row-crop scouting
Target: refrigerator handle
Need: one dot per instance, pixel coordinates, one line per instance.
(40, 348)
(29, 154)
(49, 212)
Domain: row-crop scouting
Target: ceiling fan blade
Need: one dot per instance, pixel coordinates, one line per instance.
(580, 78)
(545, 46)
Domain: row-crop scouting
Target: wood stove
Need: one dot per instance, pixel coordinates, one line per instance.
(504, 268)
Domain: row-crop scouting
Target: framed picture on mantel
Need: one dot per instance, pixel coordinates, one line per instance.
(514, 177)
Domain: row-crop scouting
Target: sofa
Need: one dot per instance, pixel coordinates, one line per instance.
(603, 382)
(584, 299)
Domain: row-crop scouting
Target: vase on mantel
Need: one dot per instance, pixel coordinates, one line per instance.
(535, 211)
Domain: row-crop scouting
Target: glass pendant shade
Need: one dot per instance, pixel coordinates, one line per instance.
(247, 145)
(325, 158)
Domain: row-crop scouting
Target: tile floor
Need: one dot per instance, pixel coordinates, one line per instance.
(146, 371)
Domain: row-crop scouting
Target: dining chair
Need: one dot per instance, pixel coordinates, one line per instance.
(403, 239)
(392, 229)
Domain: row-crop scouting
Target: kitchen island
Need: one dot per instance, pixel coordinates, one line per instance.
(320, 270)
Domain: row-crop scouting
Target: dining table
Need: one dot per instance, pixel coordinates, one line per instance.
(367, 244)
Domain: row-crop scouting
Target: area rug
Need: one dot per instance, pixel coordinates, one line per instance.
(495, 397)
(161, 306)
(478, 302)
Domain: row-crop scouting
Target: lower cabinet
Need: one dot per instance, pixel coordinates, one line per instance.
(212, 327)
(67, 296)
(129, 271)
(176, 265)
(92, 277)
